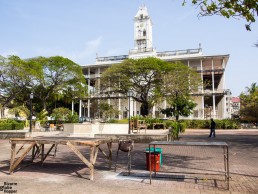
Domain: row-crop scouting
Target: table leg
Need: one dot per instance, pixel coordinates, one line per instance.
(225, 163)
(14, 163)
(13, 155)
(150, 163)
(110, 154)
(42, 154)
(92, 149)
(227, 168)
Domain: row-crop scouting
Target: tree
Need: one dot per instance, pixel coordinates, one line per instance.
(141, 76)
(179, 107)
(108, 111)
(20, 111)
(246, 9)
(15, 79)
(55, 77)
(249, 103)
(252, 89)
(178, 85)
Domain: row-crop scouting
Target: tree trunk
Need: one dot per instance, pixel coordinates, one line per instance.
(144, 109)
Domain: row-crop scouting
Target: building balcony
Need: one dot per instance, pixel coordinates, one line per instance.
(209, 92)
(142, 50)
(112, 58)
(179, 52)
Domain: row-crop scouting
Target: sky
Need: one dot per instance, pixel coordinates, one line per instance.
(81, 29)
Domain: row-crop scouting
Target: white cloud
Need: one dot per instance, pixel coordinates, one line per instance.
(89, 51)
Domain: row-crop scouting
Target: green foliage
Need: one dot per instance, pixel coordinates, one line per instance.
(141, 76)
(205, 124)
(174, 130)
(65, 114)
(247, 10)
(20, 111)
(11, 125)
(107, 110)
(15, 79)
(179, 107)
(72, 118)
(176, 89)
(249, 103)
(57, 75)
(183, 126)
(60, 113)
(113, 121)
(42, 115)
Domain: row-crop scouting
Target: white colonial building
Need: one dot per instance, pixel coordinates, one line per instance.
(211, 100)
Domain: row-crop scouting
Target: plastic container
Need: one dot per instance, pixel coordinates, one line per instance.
(159, 150)
(155, 161)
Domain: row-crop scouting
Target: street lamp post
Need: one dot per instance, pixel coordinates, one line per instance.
(31, 97)
(129, 94)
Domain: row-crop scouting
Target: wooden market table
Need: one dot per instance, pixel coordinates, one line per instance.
(224, 145)
(37, 145)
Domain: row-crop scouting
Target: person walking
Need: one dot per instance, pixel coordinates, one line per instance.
(212, 128)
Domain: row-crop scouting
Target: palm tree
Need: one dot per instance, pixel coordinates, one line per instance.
(252, 89)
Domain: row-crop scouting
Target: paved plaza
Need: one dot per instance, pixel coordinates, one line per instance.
(184, 169)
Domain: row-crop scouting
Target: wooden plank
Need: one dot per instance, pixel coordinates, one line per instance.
(92, 162)
(95, 155)
(47, 153)
(13, 155)
(20, 149)
(110, 154)
(79, 154)
(42, 154)
(17, 162)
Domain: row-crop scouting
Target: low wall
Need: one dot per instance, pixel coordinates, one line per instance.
(89, 129)
(138, 138)
(8, 135)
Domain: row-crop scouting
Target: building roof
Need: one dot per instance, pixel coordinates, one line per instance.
(235, 99)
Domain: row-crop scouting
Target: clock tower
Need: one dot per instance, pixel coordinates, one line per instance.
(142, 31)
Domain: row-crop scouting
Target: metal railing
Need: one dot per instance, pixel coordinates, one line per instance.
(179, 52)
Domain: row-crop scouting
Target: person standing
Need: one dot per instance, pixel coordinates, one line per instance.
(212, 128)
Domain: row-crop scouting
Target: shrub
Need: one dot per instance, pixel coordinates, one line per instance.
(174, 130)
(11, 126)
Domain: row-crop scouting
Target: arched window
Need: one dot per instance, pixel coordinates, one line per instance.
(139, 33)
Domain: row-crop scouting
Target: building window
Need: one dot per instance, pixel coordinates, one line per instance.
(144, 32)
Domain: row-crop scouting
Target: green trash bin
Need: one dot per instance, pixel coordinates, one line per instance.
(159, 150)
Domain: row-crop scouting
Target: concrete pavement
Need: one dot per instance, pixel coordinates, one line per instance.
(192, 170)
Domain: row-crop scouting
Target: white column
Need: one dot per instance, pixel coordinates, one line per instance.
(80, 108)
(213, 89)
(72, 107)
(153, 111)
(134, 108)
(130, 106)
(188, 63)
(203, 105)
(165, 106)
(89, 81)
(88, 108)
(119, 108)
(224, 87)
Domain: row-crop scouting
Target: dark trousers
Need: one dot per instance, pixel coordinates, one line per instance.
(212, 132)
